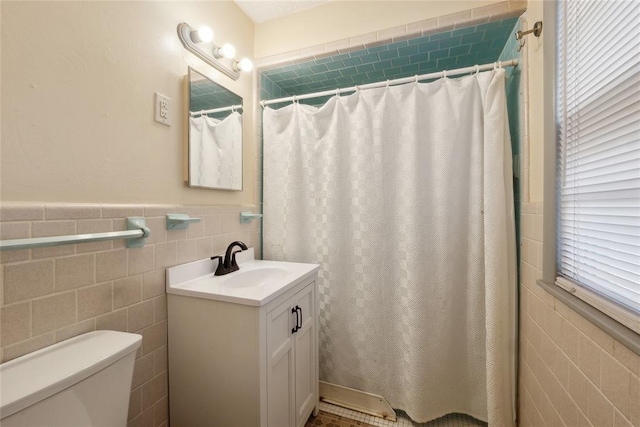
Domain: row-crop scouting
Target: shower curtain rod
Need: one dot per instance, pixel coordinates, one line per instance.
(216, 110)
(416, 78)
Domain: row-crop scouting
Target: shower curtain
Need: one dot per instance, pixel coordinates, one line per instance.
(216, 151)
(403, 195)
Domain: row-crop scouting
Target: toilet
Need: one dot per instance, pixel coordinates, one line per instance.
(83, 381)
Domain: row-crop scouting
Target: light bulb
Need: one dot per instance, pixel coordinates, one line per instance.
(204, 34)
(227, 50)
(244, 64)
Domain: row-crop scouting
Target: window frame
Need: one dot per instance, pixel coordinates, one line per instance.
(593, 311)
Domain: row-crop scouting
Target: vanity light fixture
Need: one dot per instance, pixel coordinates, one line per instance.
(190, 39)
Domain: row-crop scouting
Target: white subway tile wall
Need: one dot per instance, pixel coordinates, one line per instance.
(571, 372)
(48, 295)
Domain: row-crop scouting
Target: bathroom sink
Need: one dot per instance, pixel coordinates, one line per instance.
(256, 277)
(256, 282)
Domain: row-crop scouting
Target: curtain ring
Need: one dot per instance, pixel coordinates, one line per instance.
(357, 88)
(262, 104)
(444, 74)
(499, 64)
(338, 93)
(416, 79)
(387, 83)
(295, 99)
(477, 68)
(495, 66)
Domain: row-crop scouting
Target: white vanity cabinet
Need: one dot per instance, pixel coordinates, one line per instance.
(243, 361)
(292, 375)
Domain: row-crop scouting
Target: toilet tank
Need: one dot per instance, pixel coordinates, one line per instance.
(83, 381)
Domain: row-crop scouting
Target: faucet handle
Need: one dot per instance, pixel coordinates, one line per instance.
(220, 266)
(233, 259)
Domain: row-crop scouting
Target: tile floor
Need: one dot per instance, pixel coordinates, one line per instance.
(336, 416)
(325, 419)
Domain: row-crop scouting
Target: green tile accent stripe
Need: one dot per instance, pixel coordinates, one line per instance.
(206, 94)
(463, 47)
(269, 90)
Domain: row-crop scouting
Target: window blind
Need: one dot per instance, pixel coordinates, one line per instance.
(598, 119)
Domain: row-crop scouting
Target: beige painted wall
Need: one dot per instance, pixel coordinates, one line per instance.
(78, 82)
(341, 19)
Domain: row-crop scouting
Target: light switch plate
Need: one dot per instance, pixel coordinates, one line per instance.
(163, 109)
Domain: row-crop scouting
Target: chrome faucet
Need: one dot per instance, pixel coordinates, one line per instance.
(229, 264)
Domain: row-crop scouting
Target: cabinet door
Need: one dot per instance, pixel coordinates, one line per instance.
(280, 366)
(306, 375)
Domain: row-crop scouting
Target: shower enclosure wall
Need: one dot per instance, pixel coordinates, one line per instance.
(443, 49)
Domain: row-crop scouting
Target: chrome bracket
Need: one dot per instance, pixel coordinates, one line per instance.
(537, 30)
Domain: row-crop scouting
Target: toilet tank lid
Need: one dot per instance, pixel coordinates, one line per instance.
(35, 376)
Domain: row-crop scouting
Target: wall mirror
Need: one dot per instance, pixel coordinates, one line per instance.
(215, 135)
